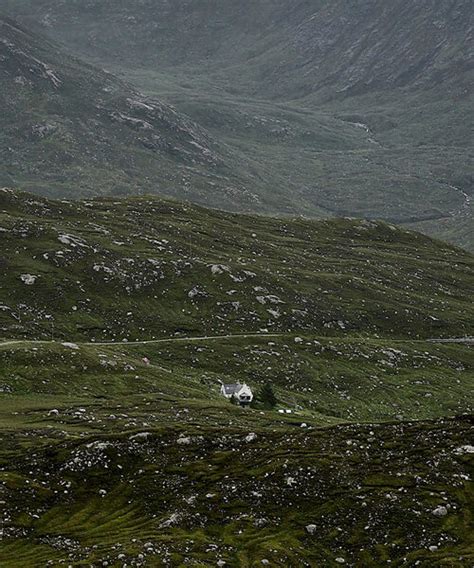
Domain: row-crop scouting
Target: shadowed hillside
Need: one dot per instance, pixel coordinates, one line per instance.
(357, 496)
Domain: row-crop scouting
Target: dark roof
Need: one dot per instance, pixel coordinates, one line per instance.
(232, 388)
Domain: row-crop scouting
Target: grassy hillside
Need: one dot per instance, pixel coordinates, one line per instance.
(364, 496)
(324, 108)
(110, 459)
(323, 381)
(146, 268)
(327, 311)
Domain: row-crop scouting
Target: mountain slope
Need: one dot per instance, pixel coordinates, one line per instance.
(290, 49)
(69, 129)
(326, 108)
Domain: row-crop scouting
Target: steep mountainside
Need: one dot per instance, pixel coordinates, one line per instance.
(329, 47)
(326, 108)
(69, 129)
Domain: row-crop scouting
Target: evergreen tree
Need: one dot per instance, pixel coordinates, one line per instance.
(267, 396)
(233, 400)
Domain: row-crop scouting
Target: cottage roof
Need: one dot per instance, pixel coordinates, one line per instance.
(232, 388)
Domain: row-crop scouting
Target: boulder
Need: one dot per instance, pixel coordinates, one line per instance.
(440, 511)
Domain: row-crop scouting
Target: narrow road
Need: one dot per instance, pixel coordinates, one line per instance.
(465, 340)
(144, 342)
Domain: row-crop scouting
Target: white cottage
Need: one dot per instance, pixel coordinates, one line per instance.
(241, 392)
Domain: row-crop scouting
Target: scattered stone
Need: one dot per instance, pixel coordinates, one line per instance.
(28, 279)
(173, 520)
(74, 346)
(219, 269)
(197, 292)
(464, 450)
(440, 511)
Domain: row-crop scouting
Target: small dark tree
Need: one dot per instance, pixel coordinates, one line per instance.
(267, 397)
